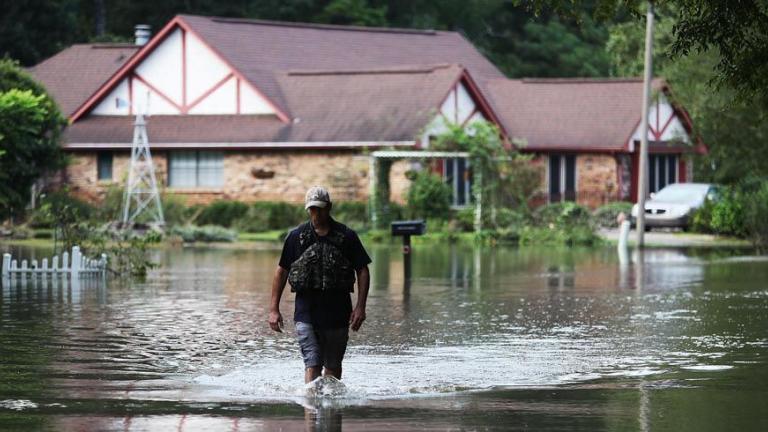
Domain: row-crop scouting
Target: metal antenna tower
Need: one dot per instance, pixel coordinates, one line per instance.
(141, 194)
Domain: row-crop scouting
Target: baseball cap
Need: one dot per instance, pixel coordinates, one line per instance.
(317, 196)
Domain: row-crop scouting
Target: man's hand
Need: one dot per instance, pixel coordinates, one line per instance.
(276, 321)
(357, 318)
(278, 284)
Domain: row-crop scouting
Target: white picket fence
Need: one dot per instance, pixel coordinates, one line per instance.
(79, 266)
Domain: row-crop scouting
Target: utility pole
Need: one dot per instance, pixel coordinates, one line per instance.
(642, 175)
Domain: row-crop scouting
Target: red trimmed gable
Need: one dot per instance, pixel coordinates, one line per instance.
(587, 114)
(178, 73)
(462, 105)
(69, 82)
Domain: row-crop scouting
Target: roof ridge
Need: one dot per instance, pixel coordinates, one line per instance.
(415, 69)
(580, 80)
(103, 45)
(318, 26)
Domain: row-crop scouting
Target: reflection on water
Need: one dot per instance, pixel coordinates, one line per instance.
(479, 338)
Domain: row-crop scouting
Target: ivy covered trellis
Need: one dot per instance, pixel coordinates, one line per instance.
(381, 165)
(500, 174)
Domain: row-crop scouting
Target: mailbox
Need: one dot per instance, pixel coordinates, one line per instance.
(406, 229)
(409, 228)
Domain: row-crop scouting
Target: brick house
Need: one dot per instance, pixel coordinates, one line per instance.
(587, 135)
(256, 110)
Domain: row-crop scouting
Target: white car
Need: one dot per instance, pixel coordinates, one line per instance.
(674, 205)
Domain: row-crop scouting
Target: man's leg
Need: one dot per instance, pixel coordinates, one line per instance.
(334, 347)
(311, 374)
(333, 372)
(310, 351)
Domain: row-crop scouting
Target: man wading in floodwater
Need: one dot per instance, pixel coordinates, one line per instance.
(320, 260)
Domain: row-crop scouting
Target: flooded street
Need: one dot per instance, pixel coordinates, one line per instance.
(480, 339)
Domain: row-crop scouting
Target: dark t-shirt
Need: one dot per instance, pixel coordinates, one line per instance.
(325, 309)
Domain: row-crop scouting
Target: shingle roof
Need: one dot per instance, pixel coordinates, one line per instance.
(109, 130)
(257, 48)
(570, 114)
(337, 82)
(386, 105)
(74, 74)
(391, 105)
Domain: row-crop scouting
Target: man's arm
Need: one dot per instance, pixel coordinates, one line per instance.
(278, 285)
(358, 314)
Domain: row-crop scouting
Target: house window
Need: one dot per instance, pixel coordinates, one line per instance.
(458, 176)
(662, 170)
(104, 166)
(562, 178)
(190, 169)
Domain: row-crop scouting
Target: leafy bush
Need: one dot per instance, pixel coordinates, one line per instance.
(429, 196)
(756, 216)
(222, 213)
(740, 211)
(510, 219)
(464, 219)
(56, 203)
(701, 221)
(606, 215)
(379, 236)
(30, 129)
(728, 214)
(507, 221)
(351, 213)
(207, 233)
(43, 234)
(267, 215)
(112, 205)
(565, 223)
(175, 210)
(562, 215)
(435, 225)
(392, 212)
(573, 236)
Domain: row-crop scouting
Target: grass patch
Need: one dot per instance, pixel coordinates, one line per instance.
(269, 236)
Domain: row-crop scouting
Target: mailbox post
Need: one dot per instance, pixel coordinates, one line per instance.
(406, 229)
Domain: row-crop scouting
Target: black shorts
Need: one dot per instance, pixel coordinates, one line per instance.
(322, 347)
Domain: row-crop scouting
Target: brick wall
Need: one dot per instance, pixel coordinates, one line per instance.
(596, 179)
(80, 175)
(285, 176)
(541, 196)
(248, 176)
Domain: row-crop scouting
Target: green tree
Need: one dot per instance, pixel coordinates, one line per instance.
(30, 127)
(552, 49)
(625, 47)
(734, 129)
(353, 12)
(32, 30)
(736, 30)
(519, 43)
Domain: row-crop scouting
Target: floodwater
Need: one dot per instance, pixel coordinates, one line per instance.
(480, 339)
